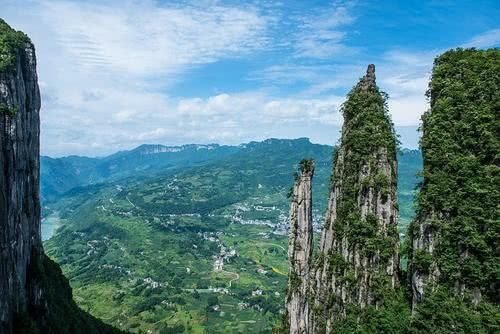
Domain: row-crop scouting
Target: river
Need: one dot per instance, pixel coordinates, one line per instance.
(50, 225)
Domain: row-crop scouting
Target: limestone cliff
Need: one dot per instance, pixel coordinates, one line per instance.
(454, 240)
(19, 177)
(359, 245)
(358, 259)
(300, 250)
(34, 296)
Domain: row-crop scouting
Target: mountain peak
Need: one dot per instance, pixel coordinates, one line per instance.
(368, 81)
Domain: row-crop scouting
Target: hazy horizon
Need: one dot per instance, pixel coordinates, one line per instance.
(408, 135)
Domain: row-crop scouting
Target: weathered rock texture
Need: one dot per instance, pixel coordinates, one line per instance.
(19, 182)
(359, 248)
(34, 296)
(300, 249)
(359, 243)
(456, 232)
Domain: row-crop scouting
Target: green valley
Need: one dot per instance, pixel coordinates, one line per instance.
(201, 249)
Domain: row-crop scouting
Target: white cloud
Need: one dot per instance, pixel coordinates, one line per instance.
(144, 38)
(487, 39)
(105, 67)
(322, 35)
(123, 119)
(405, 76)
(108, 70)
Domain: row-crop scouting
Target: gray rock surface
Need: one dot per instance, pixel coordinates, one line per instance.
(359, 249)
(35, 297)
(300, 250)
(19, 185)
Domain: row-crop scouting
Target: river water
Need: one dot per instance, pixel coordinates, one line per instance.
(50, 225)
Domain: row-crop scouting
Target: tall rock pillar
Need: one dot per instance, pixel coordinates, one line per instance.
(454, 237)
(300, 250)
(359, 248)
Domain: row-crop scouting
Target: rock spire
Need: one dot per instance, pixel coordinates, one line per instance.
(358, 257)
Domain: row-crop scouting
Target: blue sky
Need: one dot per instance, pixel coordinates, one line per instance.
(116, 74)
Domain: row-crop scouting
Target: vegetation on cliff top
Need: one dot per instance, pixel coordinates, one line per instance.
(368, 136)
(368, 133)
(11, 41)
(460, 192)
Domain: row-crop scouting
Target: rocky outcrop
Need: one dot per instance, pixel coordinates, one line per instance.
(360, 243)
(358, 259)
(454, 235)
(300, 250)
(34, 295)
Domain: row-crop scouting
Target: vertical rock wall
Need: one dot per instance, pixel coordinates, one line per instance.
(19, 180)
(358, 257)
(454, 238)
(359, 245)
(300, 250)
(34, 295)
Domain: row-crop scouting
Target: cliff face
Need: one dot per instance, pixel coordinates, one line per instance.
(456, 230)
(359, 245)
(19, 175)
(34, 295)
(300, 250)
(358, 257)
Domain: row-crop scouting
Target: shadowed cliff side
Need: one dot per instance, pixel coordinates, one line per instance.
(34, 295)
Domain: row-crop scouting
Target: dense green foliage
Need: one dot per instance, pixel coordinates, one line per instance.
(461, 191)
(369, 134)
(443, 312)
(4, 109)
(393, 316)
(10, 43)
(162, 248)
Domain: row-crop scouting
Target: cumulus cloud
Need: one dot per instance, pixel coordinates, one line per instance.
(220, 118)
(405, 76)
(109, 71)
(105, 68)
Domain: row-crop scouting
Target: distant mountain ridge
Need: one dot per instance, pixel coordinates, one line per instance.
(60, 175)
